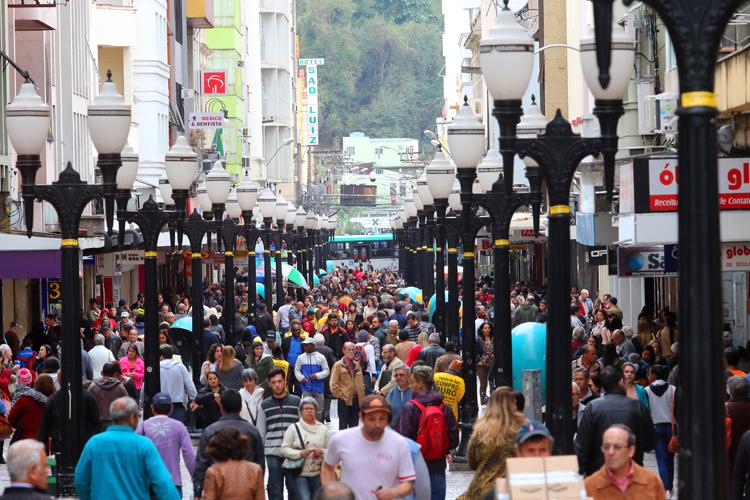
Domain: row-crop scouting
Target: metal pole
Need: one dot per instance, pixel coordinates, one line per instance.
(279, 273)
(503, 341)
(196, 291)
(228, 312)
(429, 261)
(439, 316)
(152, 377)
(267, 279)
(453, 302)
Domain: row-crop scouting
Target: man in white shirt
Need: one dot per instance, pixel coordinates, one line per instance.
(99, 355)
(385, 455)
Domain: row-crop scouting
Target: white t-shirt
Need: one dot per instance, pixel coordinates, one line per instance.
(388, 462)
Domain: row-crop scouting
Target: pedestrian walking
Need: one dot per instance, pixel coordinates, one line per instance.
(582, 377)
(347, 385)
(100, 471)
(132, 366)
(311, 370)
(291, 346)
(384, 455)
(170, 438)
(485, 359)
(661, 405)
(176, 382)
(49, 425)
(231, 404)
(307, 439)
(738, 409)
(493, 442)
(431, 423)
(386, 382)
(28, 403)
(432, 352)
(252, 396)
(327, 353)
(231, 477)
(280, 411)
(27, 467)
(106, 390)
(444, 361)
(615, 407)
(229, 370)
(451, 385)
(620, 477)
(208, 400)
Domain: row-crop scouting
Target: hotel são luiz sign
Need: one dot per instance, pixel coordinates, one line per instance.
(312, 117)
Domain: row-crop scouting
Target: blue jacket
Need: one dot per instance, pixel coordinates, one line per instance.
(99, 474)
(306, 365)
(398, 399)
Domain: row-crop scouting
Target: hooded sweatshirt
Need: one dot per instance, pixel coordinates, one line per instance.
(525, 313)
(106, 390)
(176, 381)
(170, 437)
(306, 365)
(660, 401)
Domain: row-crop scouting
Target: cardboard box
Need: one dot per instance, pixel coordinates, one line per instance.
(501, 489)
(563, 482)
(526, 478)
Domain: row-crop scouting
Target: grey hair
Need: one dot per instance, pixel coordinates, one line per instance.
(576, 388)
(98, 339)
(23, 454)
(425, 375)
(578, 333)
(389, 348)
(631, 434)
(738, 385)
(407, 369)
(121, 409)
(392, 322)
(308, 401)
(583, 370)
(5, 349)
(249, 374)
(434, 338)
(627, 330)
(617, 333)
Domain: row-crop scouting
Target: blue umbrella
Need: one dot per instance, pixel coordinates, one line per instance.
(185, 323)
(261, 289)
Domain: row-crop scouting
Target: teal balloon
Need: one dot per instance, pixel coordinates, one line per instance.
(529, 353)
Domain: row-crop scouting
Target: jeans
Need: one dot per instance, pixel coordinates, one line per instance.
(348, 415)
(276, 476)
(664, 457)
(283, 330)
(327, 406)
(318, 397)
(368, 383)
(437, 486)
(307, 486)
(178, 413)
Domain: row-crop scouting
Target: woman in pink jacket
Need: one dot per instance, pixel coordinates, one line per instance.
(133, 367)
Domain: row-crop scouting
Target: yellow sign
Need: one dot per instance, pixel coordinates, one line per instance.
(54, 291)
(452, 388)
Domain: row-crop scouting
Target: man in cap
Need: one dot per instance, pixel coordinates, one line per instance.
(451, 385)
(311, 370)
(270, 342)
(327, 352)
(11, 337)
(170, 438)
(125, 319)
(384, 455)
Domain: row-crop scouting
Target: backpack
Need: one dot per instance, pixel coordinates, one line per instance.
(26, 362)
(433, 431)
(361, 356)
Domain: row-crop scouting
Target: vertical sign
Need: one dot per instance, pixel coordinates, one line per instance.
(311, 109)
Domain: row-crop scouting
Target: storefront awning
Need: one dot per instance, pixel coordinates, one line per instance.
(35, 257)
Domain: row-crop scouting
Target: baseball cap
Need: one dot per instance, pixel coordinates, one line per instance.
(531, 428)
(271, 335)
(124, 314)
(24, 377)
(374, 402)
(14, 324)
(161, 397)
(309, 340)
(319, 338)
(106, 325)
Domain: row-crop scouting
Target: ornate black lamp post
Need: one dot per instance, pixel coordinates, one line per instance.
(439, 179)
(428, 287)
(558, 152)
(247, 196)
(267, 204)
(109, 120)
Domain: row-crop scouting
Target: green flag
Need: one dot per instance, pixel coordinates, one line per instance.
(219, 141)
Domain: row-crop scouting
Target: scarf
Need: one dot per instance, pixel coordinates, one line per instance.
(22, 390)
(350, 367)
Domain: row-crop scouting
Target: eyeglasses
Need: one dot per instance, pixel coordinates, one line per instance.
(308, 408)
(617, 447)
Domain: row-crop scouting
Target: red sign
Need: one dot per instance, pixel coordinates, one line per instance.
(734, 184)
(214, 82)
(527, 233)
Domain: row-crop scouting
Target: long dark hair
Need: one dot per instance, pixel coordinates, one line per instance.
(250, 361)
(481, 327)
(610, 354)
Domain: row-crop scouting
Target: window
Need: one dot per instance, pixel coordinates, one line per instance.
(178, 31)
(340, 250)
(350, 151)
(394, 189)
(400, 147)
(382, 249)
(379, 151)
(411, 149)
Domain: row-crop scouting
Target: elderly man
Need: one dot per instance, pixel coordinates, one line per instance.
(621, 476)
(588, 360)
(99, 355)
(99, 474)
(392, 333)
(386, 381)
(624, 347)
(170, 319)
(27, 467)
(401, 393)
(581, 377)
(432, 352)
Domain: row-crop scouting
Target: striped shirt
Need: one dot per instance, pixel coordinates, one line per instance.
(280, 414)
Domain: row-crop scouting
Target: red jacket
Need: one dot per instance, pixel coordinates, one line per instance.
(28, 411)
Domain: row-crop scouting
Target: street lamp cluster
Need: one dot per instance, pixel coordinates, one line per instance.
(109, 119)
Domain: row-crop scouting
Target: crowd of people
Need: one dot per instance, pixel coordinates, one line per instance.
(359, 346)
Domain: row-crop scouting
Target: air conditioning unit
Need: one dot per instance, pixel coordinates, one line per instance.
(245, 132)
(240, 64)
(662, 118)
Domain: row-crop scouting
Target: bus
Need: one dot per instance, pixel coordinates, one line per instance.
(351, 251)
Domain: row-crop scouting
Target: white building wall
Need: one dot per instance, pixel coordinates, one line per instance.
(151, 89)
(254, 99)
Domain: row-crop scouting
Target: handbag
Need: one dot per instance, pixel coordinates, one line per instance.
(674, 441)
(294, 467)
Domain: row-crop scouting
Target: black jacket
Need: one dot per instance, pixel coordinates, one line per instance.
(327, 352)
(336, 341)
(286, 342)
(740, 476)
(613, 408)
(49, 426)
(264, 323)
(15, 493)
(203, 462)
(430, 354)
(210, 409)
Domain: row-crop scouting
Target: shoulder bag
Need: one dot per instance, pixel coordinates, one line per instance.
(674, 441)
(294, 467)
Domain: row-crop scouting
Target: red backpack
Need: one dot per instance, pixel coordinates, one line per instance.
(361, 357)
(433, 431)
